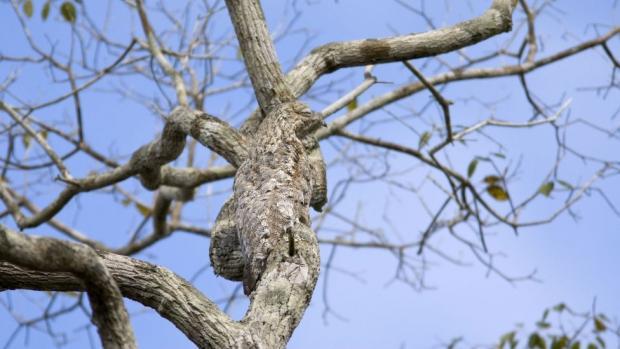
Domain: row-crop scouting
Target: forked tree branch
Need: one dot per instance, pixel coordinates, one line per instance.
(331, 57)
(52, 265)
(51, 255)
(148, 160)
(156, 51)
(259, 53)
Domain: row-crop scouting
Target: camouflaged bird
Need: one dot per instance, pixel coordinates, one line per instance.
(273, 187)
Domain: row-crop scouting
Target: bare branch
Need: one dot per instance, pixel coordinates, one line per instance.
(328, 58)
(148, 160)
(259, 53)
(155, 287)
(444, 103)
(20, 120)
(157, 53)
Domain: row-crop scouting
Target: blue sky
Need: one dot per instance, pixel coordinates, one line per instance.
(576, 260)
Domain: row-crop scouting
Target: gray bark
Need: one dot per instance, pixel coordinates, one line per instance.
(165, 292)
(51, 255)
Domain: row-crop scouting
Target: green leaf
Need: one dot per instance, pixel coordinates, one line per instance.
(536, 342)
(546, 188)
(472, 167)
(508, 338)
(601, 342)
(592, 346)
(43, 134)
(543, 325)
(67, 10)
(599, 325)
(566, 184)
(575, 345)
(559, 307)
(78, 1)
(352, 105)
(424, 138)
(491, 180)
(144, 210)
(26, 140)
(45, 11)
(125, 202)
(499, 155)
(560, 342)
(498, 193)
(28, 8)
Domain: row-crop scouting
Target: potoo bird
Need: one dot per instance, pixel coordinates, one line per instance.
(273, 187)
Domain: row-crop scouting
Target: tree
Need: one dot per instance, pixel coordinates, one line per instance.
(263, 238)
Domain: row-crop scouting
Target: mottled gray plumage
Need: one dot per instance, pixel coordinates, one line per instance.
(318, 173)
(224, 251)
(276, 175)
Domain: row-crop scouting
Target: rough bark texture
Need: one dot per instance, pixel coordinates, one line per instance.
(155, 287)
(106, 301)
(284, 289)
(317, 172)
(208, 130)
(259, 53)
(225, 251)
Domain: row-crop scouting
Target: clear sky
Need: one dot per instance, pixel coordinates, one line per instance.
(576, 260)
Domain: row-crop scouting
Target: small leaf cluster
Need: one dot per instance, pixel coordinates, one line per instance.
(588, 334)
(495, 185)
(67, 9)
